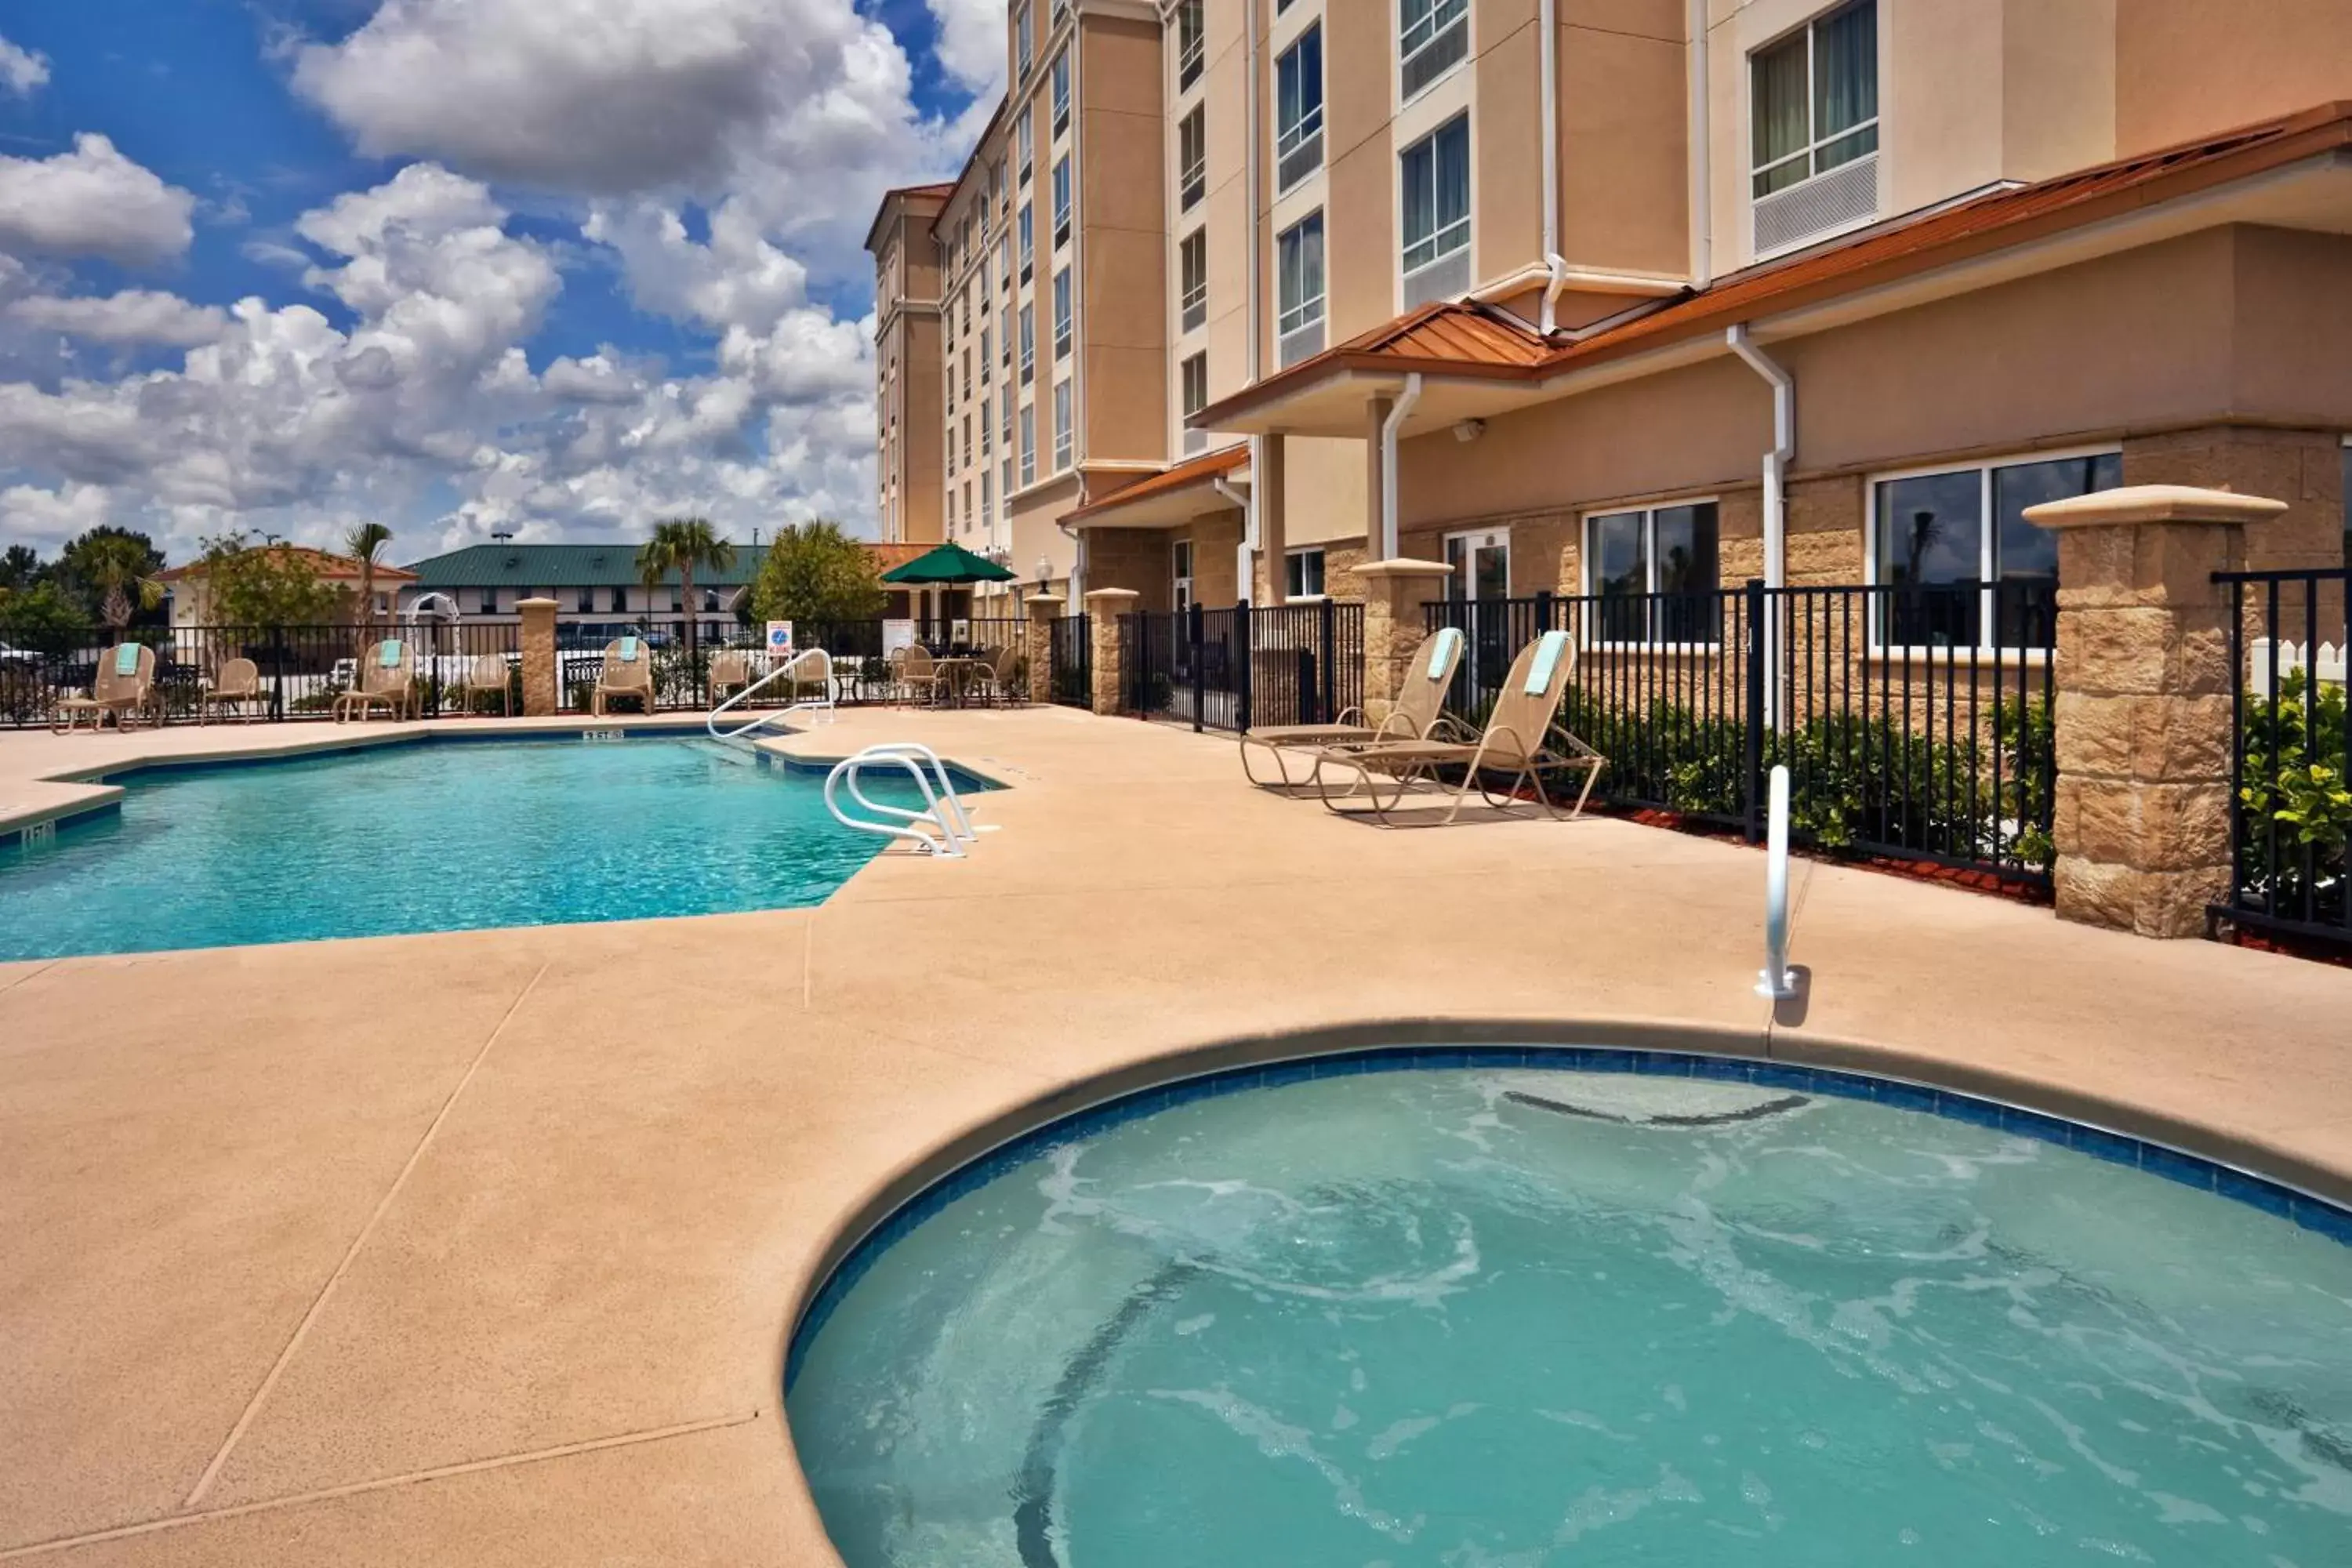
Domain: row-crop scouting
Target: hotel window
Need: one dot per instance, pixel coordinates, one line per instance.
(584, 601)
(1656, 572)
(1061, 315)
(1022, 22)
(983, 352)
(987, 435)
(1433, 38)
(1028, 444)
(1061, 426)
(967, 506)
(1005, 469)
(1960, 582)
(1190, 43)
(1028, 245)
(1193, 267)
(1061, 202)
(709, 601)
(618, 603)
(1007, 419)
(1023, 145)
(1814, 131)
(1299, 109)
(987, 499)
(1298, 276)
(490, 600)
(967, 373)
(677, 600)
(1435, 177)
(1061, 92)
(1191, 158)
(1302, 571)
(1004, 257)
(987, 294)
(1028, 343)
(1195, 373)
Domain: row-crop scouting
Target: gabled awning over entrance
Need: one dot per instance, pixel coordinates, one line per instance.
(1170, 498)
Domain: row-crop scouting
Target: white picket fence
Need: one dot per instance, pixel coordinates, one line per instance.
(2271, 661)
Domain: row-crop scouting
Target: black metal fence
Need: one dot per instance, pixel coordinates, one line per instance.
(2291, 769)
(1915, 721)
(1232, 669)
(299, 671)
(1071, 679)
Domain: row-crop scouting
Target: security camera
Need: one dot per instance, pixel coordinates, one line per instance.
(1469, 430)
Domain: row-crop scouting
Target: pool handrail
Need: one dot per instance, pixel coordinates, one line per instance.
(821, 706)
(943, 807)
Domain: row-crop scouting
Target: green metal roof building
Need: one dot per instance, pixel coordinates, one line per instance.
(559, 566)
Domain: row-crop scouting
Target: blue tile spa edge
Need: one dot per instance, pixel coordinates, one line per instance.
(2303, 1209)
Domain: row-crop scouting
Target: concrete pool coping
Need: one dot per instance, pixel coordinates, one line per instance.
(487, 1246)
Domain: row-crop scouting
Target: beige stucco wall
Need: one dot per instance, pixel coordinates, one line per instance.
(2188, 67)
(1323, 491)
(1035, 516)
(1122, 207)
(1359, 157)
(1624, 137)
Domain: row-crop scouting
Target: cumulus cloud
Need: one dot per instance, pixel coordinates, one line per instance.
(133, 316)
(22, 72)
(45, 519)
(92, 201)
(971, 41)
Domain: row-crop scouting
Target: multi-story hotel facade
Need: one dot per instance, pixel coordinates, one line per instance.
(1588, 295)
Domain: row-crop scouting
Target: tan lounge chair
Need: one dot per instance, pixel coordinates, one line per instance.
(1516, 738)
(124, 687)
(485, 673)
(628, 671)
(385, 679)
(1418, 714)
(730, 671)
(237, 686)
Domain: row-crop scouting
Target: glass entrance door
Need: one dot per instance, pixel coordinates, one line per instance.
(1480, 583)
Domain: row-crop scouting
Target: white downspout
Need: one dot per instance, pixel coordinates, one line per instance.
(1245, 552)
(1402, 409)
(1555, 265)
(1776, 470)
(1702, 154)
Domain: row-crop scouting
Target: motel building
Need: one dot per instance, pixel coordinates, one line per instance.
(1234, 298)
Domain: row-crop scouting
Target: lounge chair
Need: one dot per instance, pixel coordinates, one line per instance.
(237, 685)
(484, 674)
(124, 685)
(628, 671)
(730, 671)
(1516, 738)
(385, 679)
(1418, 714)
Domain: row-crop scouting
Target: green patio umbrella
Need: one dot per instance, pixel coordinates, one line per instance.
(949, 566)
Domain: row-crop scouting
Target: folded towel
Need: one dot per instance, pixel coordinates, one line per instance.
(1444, 649)
(387, 654)
(1548, 650)
(628, 650)
(126, 658)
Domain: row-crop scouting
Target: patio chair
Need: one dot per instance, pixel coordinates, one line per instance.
(1516, 738)
(628, 672)
(999, 676)
(917, 677)
(385, 679)
(237, 685)
(730, 671)
(1417, 714)
(124, 685)
(484, 674)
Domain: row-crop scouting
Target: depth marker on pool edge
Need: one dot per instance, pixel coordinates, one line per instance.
(318, 1306)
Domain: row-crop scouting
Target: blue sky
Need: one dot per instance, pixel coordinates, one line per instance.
(554, 266)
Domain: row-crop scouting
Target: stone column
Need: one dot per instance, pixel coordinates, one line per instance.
(1268, 483)
(1105, 607)
(1394, 592)
(2142, 702)
(539, 677)
(1044, 609)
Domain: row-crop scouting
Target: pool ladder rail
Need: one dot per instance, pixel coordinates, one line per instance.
(942, 828)
(820, 707)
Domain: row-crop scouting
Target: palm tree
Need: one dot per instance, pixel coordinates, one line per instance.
(680, 545)
(116, 566)
(365, 543)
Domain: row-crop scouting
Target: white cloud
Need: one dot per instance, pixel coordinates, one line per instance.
(45, 519)
(133, 316)
(22, 72)
(971, 41)
(92, 201)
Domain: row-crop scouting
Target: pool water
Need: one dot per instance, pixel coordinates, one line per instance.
(428, 836)
(1525, 1316)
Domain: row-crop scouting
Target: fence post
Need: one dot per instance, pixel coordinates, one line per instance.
(1328, 712)
(1751, 800)
(277, 673)
(2142, 713)
(1395, 593)
(1543, 611)
(1044, 609)
(1244, 683)
(1199, 682)
(540, 697)
(1106, 608)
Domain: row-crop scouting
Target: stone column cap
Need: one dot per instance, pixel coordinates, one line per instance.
(2153, 503)
(1112, 595)
(1042, 601)
(535, 603)
(1404, 567)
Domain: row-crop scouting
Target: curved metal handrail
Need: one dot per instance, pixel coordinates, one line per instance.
(1776, 981)
(944, 808)
(823, 705)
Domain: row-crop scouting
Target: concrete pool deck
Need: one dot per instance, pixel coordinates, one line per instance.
(483, 1247)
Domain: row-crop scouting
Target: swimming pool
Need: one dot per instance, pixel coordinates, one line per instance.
(1525, 1314)
(422, 836)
